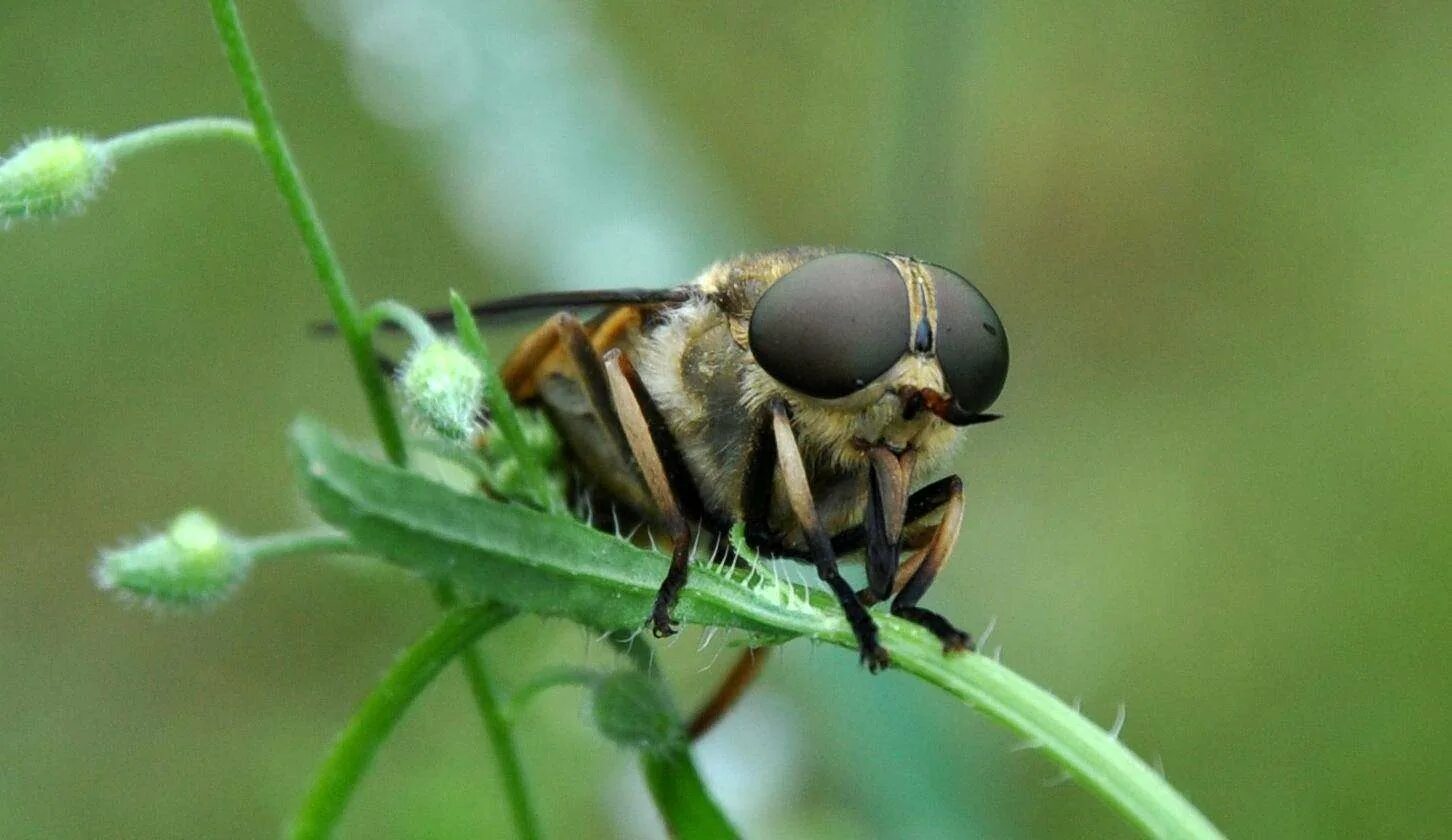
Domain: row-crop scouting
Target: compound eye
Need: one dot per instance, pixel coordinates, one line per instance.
(972, 346)
(832, 325)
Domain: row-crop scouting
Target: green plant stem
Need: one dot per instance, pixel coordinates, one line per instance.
(681, 797)
(305, 216)
(180, 131)
(418, 329)
(506, 753)
(329, 270)
(381, 711)
(521, 697)
(1090, 754)
(500, 732)
(291, 543)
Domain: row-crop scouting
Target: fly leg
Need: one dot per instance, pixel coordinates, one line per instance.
(918, 573)
(921, 504)
(650, 443)
(756, 497)
(799, 494)
(629, 414)
(910, 580)
(942, 495)
(539, 352)
(888, 475)
(742, 674)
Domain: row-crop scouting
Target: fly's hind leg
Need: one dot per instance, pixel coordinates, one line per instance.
(539, 351)
(629, 414)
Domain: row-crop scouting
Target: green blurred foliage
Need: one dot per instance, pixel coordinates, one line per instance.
(1220, 236)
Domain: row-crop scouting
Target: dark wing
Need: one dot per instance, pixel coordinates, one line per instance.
(443, 319)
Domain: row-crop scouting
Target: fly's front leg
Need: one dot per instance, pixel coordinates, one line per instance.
(923, 502)
(911, 579)
(626, 395)
(918, 573)
(888, 475)
(799, 494)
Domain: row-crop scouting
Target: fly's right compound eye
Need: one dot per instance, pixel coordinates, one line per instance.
(830, 326)
(972, 346)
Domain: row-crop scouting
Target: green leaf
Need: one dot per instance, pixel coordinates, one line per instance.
(553, 565)
(542, 563)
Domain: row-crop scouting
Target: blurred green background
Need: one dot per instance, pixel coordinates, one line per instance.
(1220, 236)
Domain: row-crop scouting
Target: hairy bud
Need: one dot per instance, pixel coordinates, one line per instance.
(52, 176)
(444, 386)
(191, 564)
(632, 710)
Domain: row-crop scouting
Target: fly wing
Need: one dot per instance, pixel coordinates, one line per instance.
(583, 299)
(443, 319)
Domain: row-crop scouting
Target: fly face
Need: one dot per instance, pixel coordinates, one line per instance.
(879, 350)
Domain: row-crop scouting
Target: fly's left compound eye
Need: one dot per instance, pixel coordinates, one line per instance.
(832, 325)
(972, 346)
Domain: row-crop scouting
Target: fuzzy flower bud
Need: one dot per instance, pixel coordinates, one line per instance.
(193, 563)
(50, 177)
(632, 710)
(444, 386)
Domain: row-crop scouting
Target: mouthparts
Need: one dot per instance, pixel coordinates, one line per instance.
(915, 400)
